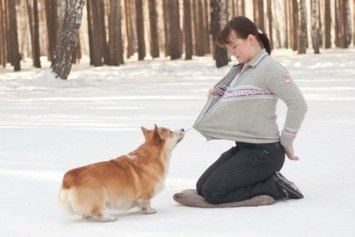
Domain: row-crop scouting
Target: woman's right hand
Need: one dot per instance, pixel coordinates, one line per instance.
(291, 153)
(211, 92)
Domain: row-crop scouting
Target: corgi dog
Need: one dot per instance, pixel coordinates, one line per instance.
(128, 181)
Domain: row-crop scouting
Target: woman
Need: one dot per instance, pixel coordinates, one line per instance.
(241, 107)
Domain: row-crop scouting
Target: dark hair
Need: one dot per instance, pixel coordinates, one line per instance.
(243, 27)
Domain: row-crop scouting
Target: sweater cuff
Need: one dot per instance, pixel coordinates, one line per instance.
(287, 136)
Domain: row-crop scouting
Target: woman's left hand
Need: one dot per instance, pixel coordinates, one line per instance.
(291, 153)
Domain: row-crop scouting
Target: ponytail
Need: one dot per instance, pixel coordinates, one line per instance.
(265, 42)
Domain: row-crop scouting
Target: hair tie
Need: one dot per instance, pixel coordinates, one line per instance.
(260, 32)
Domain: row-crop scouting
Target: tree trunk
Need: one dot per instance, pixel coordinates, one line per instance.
(115, 36)
(174, 29)
(51, 7)
(302, 27)
(199, 28)
(258, 7)
(97, 33)
(270, 19)
(68, 41)
(327, 25)
(129, 28)
(13, 37)
(354, 22)
(2, 35)
(187, 29)
(295, 15)
(154, 38)
(220, 54)
(348, 22)
(33, 22)
(315, 23)
(140, 29)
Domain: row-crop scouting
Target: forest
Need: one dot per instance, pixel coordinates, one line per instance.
(111, 31)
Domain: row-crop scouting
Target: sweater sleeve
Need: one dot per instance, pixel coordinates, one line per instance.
(281, 84)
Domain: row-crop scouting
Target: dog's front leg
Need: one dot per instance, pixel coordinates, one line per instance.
(146, 208)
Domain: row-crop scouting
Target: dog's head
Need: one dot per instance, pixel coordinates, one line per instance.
(163, 135)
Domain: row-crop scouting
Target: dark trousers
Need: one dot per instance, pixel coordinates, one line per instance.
(242, 172)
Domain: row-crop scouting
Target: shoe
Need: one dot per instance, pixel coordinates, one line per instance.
(288, 188)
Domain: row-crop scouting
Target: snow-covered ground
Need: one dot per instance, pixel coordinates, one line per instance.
(50, 126)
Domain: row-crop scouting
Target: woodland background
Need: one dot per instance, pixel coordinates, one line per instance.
(111, 31)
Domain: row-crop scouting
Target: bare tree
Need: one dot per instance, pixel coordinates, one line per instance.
(115, 43)
(220, 54)
(140, 29)
(258, 7)
(97, 33)
(174, 29)
(354, 22)
(187, 29)
(327, 24)
(302, 27)
(315, 22)
(270, 19)
(51, 7)
(2, 34)
(14, 54)
(62, 62)
(34, 29)
(153, 20)
(129, 28)
(199, 28)
(342, 26)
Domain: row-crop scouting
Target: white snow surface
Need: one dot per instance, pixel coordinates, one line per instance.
(48, 126)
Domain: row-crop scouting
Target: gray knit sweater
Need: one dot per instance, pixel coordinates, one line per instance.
(245, 110)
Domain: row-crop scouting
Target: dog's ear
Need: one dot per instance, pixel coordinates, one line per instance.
(145, 131)
(156, 131)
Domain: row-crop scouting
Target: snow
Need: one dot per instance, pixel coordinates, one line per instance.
(49, 126)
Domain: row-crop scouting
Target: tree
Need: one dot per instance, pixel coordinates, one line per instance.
(2, 34)
(140, 29)
(302, 27)
(354, 22)
(270, 19)
(258, 7)
(315, 23)
(220, 54)
(68, 41)
(188, 29)
(174, 29)
(154, 39)
(129, 28)
(327, 24)
(51, 7)
(97, 33)
(115, 44)
(34, 29)
(14, 54)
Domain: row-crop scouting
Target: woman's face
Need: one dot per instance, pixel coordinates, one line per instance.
(241, 49)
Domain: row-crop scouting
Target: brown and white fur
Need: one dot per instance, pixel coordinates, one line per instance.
(125, 182)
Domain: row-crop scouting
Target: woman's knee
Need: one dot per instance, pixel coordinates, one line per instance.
(212, 196)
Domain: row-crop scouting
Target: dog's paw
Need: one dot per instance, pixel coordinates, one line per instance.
(106, 218)
(109, 218)
(149, 211)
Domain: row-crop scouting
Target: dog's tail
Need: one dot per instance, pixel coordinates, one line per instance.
(65, 199)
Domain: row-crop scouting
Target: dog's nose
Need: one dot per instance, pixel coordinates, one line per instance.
(182, 130)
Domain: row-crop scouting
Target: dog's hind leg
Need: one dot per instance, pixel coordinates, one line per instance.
(145, 205)
(99, 214)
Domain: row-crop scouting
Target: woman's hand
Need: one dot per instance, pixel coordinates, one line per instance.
(291, 153)
(211, 92)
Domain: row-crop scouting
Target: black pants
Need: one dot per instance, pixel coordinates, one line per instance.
(242, 172)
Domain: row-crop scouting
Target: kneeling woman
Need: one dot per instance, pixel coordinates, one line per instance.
(242, 107)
